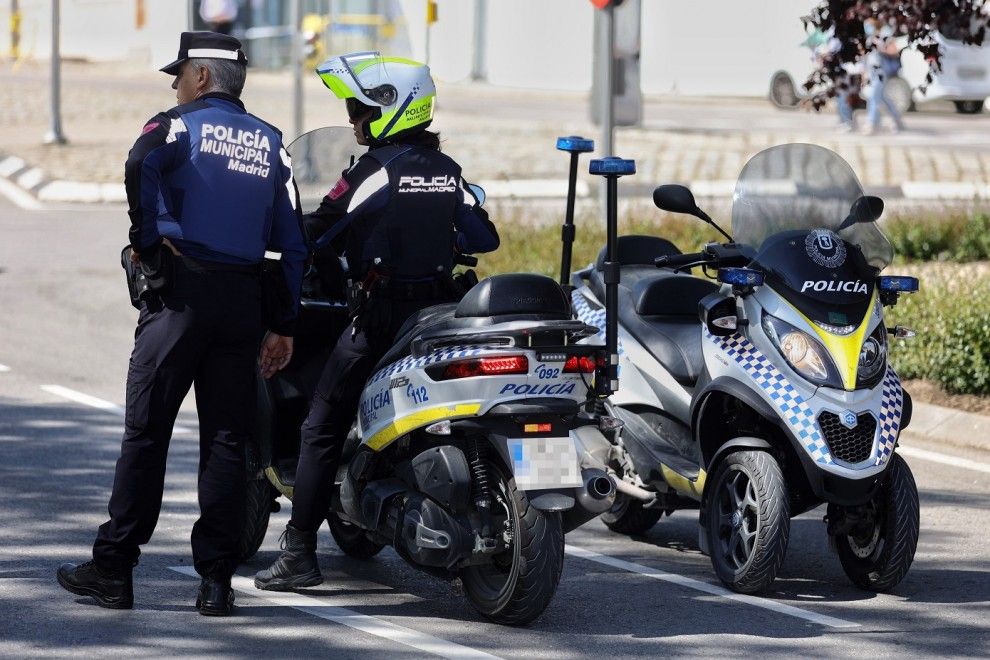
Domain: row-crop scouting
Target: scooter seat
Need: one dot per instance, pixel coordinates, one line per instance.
(425, 319)
(674, 339)
(494, 300)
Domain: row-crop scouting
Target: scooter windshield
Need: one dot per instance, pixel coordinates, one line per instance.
(802, 187)
(318, 160)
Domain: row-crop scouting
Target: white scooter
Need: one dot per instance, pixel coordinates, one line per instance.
(781, 397)
(477, 445)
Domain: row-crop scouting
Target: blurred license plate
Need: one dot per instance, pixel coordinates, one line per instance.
(544, 463)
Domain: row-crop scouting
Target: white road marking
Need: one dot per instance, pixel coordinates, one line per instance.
(712, 589)
(4, 368)
(945, 459)
(373, 626)
(93, 402)
(19, 196)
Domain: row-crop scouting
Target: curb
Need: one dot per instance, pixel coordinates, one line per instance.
(34, 182)
(956, 428)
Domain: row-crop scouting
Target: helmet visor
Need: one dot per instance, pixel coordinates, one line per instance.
(383, 94)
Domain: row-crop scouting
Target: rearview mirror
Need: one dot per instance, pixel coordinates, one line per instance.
(675, 198)
(478, 192)
(865, 209)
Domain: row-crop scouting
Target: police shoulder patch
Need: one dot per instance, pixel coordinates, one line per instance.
(150, 126)
(339, 189)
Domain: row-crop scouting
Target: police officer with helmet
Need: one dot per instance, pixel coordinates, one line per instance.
(399, 215)
(210, 188)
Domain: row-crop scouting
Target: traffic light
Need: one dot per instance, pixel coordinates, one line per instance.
(605, 4)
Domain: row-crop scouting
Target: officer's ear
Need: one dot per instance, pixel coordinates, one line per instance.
(203, 80)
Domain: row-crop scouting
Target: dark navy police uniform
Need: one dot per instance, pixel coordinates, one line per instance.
(217, 183)
(401, 210)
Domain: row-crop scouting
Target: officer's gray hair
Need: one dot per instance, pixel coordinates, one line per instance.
(225, 75)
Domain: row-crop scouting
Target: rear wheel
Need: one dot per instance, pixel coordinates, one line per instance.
(974, 107)
(258, 509)
(351, 539)
(877, 556)
(628, 516)
(257, 504)
(748, 520)
(520, 581)
(783, 93)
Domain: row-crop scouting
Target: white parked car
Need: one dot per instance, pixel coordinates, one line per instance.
(964, 78)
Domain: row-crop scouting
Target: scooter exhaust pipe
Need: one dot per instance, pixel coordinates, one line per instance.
(629, 489)
(595, 496)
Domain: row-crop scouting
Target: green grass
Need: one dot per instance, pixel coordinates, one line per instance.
(526, 248)
(951, 314)
(959, 238)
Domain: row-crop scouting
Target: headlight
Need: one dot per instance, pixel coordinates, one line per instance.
(804, 354)
(872, 358)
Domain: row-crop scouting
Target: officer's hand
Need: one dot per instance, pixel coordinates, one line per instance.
(135, 257)
(276, 351)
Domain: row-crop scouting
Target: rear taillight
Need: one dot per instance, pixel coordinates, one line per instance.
(579, 364)
(486, 366)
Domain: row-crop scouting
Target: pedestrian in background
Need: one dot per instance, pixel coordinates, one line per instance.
(219, 15)
(848, 86)
(882, 64)
(210, 188)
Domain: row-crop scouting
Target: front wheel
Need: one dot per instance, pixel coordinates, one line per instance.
(877, 556)
(748, 520)
(520, 582)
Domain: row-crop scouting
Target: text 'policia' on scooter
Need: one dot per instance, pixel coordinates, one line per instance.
(767, 392)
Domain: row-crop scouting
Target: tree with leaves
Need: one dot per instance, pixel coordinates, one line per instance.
(917, 20)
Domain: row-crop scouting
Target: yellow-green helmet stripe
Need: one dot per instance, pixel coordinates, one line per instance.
(415, 114)
(336, 85)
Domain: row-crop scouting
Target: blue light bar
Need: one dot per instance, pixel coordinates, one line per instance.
(900, 283)
(740, 276)
(575, 144)
(612, 166)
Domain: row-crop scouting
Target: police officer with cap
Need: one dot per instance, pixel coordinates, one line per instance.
(210, 189)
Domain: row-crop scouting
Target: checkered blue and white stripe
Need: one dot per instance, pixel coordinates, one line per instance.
(582, 308)
(409, 362)
(793, 409)
(891, 407)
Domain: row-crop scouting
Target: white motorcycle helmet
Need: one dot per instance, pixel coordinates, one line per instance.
(401, 92)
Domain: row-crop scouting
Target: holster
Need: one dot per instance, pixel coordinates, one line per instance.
(152, 276)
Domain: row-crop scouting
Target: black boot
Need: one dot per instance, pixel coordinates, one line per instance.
(114, 590)
(215, 597)
(296, 567)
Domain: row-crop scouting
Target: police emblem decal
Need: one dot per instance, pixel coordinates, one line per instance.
(849, 419)
(825, 248)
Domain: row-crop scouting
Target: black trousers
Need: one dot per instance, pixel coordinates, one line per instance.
(206, 330)
(334, 408)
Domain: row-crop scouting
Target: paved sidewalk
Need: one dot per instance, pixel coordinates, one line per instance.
(503, 137)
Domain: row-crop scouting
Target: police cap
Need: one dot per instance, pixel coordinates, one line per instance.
(208, 45)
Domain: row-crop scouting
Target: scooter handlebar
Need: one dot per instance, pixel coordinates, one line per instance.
(679, 260)
(465, 260)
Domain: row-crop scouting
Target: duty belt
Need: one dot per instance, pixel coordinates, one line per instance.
(202, 266)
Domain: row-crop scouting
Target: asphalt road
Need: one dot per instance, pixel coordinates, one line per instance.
(66, 330)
